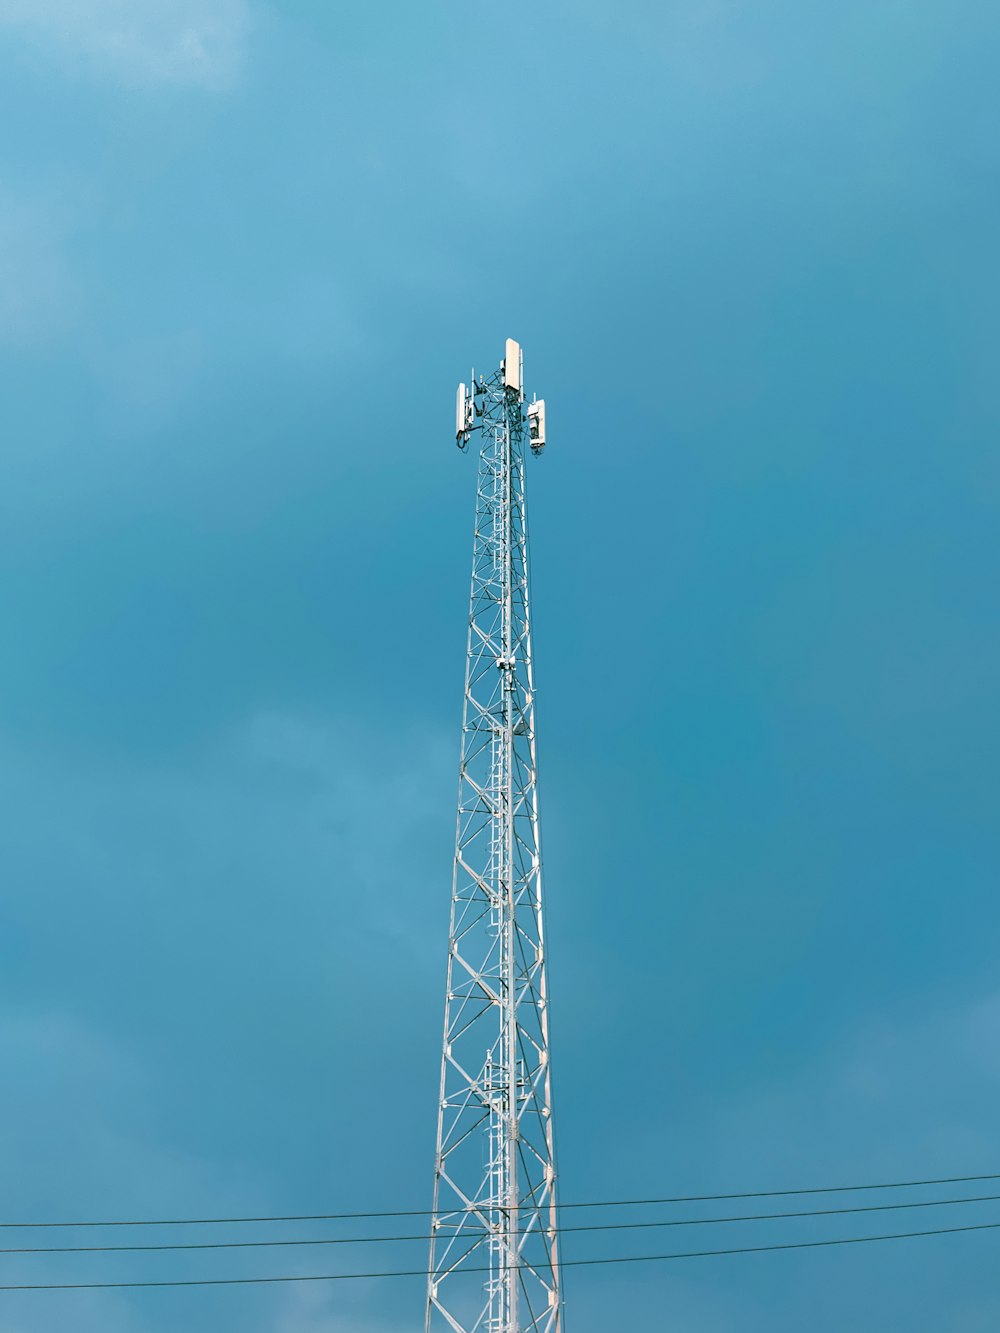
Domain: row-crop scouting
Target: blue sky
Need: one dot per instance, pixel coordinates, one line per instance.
(246, 251)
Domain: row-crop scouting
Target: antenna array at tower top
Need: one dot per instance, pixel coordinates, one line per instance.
(469, 408)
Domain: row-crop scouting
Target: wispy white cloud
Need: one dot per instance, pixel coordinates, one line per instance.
(872, 1104)
(145, 379)
(104, 1150)
(78, 1125)
(143, 42)
(286, 819)
(38, 293)
(312, 789)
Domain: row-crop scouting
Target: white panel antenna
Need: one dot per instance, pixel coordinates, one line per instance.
(512, 366)
(463, 416)
(460, 398)
(536, 425)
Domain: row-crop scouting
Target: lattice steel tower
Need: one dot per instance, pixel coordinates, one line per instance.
(493, 1261)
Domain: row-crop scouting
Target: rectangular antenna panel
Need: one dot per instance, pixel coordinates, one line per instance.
(536, 425)
(512, 366)
(461, 413)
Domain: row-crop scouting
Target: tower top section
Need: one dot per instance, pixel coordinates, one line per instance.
(507, 385)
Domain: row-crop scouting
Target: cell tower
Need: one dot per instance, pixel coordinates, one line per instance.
(493, 1261)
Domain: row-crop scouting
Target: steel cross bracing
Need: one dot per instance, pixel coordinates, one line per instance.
(495, 1179)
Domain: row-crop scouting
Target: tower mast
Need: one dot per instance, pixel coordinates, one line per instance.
(494, 1264)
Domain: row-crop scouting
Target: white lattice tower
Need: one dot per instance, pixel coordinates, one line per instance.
(493, 1259)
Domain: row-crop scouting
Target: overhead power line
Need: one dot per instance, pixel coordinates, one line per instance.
(562, 1231)
(422, 1272)
(453, 1212)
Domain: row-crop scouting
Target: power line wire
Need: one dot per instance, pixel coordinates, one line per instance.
(422, 1272)
(562, 1231)
(452, 1212)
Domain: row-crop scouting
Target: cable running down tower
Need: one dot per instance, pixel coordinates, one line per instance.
(495, 1176)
